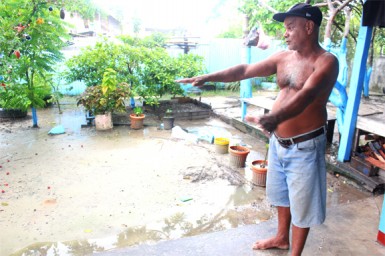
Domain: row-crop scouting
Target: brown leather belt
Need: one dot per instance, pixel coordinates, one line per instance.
(286, 142)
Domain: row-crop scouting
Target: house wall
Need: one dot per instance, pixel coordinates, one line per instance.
(378, 76)
(221, 53)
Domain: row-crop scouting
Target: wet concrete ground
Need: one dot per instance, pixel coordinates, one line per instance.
(350, 229)
(86, 191)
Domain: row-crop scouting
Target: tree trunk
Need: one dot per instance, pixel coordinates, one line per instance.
(332, 14)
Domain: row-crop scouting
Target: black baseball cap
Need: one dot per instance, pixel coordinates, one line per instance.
(303, 10)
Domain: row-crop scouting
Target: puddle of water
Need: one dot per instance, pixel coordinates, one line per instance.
(113, 189)
(184, 222)
(341, 190)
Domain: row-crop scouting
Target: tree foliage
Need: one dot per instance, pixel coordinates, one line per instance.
(31, 37)
(32, 34)
(142, 63)
(85, 8)
(260, 13)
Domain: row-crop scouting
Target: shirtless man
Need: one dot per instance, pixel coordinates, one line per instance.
(306, 73)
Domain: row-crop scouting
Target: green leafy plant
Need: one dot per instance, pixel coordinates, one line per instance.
(14, 96)
(107, 97)
(89, 66)
(138, 111)
(169, 113)
(266, 154)
(32, 36)
(56, 95)
(233, 86)
(143, 63)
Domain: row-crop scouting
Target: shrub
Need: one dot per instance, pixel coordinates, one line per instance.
(142, 63)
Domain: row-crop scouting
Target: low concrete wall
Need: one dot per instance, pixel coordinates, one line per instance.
(378, 76)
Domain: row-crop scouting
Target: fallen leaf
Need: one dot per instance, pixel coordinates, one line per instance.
(185, 199)
(50, 201)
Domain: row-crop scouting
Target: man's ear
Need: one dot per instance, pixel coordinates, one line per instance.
(310, 27)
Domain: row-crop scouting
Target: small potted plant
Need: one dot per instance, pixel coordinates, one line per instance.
(102, 100)
(259, 168)
(168, 119)
(137, 118)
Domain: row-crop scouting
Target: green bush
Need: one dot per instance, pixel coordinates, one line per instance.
(109, 96)
(14, 96)
(142, 63)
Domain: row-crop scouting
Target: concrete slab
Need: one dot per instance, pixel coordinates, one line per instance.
(350, 229)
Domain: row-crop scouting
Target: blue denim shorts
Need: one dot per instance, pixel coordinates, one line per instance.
(296, 178)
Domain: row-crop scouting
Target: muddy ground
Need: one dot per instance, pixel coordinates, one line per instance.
(85, 191)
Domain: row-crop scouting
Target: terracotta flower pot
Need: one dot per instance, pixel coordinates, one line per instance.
(137, 121)
(259, 168)
(238, 155)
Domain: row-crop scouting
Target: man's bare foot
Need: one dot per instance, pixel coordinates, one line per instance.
(270, 244)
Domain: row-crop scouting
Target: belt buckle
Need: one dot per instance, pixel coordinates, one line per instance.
(284, 143)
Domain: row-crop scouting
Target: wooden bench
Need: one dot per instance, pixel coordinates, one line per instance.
(266, 103)
(370, 124)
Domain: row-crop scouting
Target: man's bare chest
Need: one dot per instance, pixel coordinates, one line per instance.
(293, 74)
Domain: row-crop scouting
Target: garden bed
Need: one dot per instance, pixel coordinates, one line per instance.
(183, 109)
(12, 113)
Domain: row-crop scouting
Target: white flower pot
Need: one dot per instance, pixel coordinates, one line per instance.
(103, 122)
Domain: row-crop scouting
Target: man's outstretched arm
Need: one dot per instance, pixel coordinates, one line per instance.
(236, 73)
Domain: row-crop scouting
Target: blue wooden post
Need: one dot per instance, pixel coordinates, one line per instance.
(367, 81)
(355, 90)
(132, 102)
(34, 118)
(381, 228)
(343, 65)
(246, 91)
(338, 95)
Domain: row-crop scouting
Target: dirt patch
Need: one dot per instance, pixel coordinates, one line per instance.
(9, 125)
(212, 172)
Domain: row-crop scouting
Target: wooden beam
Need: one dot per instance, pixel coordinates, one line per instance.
(355, 90)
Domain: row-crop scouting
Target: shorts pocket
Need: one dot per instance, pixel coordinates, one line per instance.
(308, 145)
